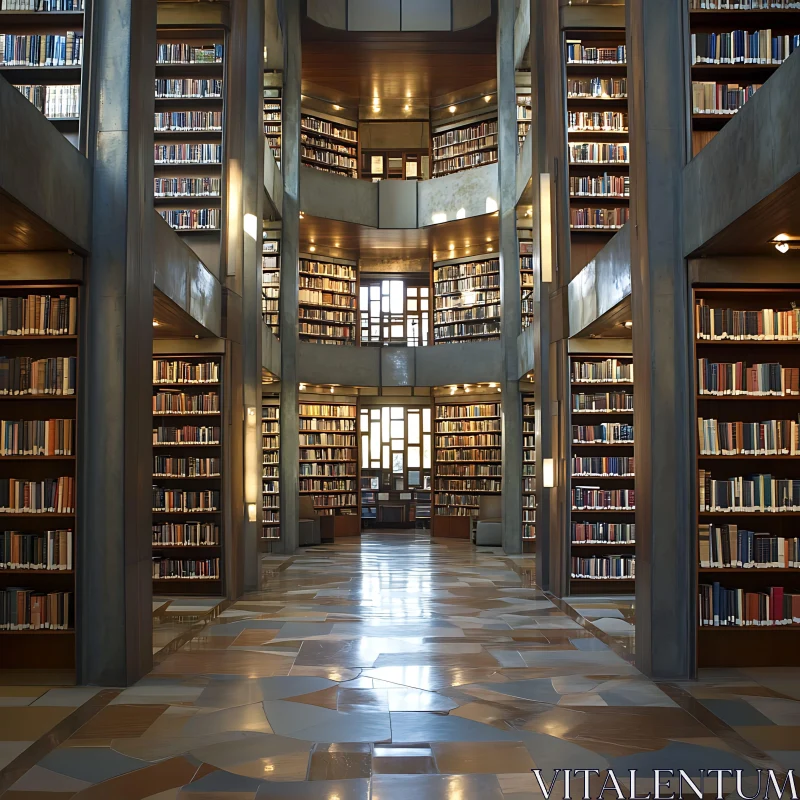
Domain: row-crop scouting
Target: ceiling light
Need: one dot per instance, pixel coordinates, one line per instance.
(312, 249)
(629, 323)
(301, 215)
(782, 237)
(407, 107)
(451, 247)
(487, 97)
(302, 387)
(782, 247)
(331, 389)
(492, 385)
(452, 390)
(156, 323)
(336, 245)
(466, 388)
(499, 389)
(337, 108)
(452, 109)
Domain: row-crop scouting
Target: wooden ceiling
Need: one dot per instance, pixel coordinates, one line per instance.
(612, 324)
(21, 230)
(173, 321)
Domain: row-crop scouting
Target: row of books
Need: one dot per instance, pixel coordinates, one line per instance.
(49, 496)
(41, 5)
(329, 453)
(728, 546)
(470, 146)
(602, 402)
(325, 284)
(183, 500)
(38, 315)
(444, 412)
(465, 285)
(187, 187)
(183, 403)
(606, 121)
(271, 503)
(600, 186)
(750, 493)
(179, 53)
(186, 434)
(37, 437)
(329, 158)
(599, 153)
(187, 153)
(317, 125)
(334, 500)
(185, 568)
(578, 53)
(194, 88)
(321, 298)
(598, 218)
(465, 134)
(743, 47)
(603, 466)
(56, 101)
(332, 147)
(766, 324)
(605, 433)
(586, 498)
(479, 440)
(482, 485)
(331, 270)
(736, 378)
(610, 370)
(270, 487)
(341, 470)
(742, 5)
(617, 567)
(467, 426)
(709, 97)
(325, 331)
(174, 467)
(451, 272)
(182, 534)
(603, 533)
(467, 298)
(739, 608)
(467, 314)
(179, 371)
(27, 609)
(41, 50)
(327, 315)
(447, 165)
(330, 485)
(469, 471)
(333, 439)
(316, 424)
(50, 550)
(188, 121)
(43, 376)
(768, 438)
(607, 88)
(453, 508)
(193, 219)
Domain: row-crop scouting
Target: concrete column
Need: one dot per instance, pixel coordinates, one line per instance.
(115, 468)
(290, 168)
(510, 325)
(662, 415)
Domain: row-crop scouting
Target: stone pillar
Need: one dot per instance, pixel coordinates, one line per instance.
(290, 243)
(662, 416)
(116, 455)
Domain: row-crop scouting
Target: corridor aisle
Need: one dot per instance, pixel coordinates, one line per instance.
(386, 667)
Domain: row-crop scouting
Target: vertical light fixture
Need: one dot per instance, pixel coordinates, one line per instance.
(251, 226)
(546, 227)
(548, 473)
(252, 481)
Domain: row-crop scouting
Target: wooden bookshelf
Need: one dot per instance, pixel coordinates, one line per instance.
(328, 145)
(461, 146)
(597, 133)
(602, 527)
(328, 428)
(271, 279)
(398, 165)
(57, 91)
(466, 299)
(720, 89)
(273, 125)
(528, 472)
(328, 293)
(189, 129)
(757, 645)
(270, 470)
(187, 475)
(468, 461)
(526, 282)
(54, 575)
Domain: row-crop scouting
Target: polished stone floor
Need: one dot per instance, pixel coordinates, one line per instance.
(389, 667)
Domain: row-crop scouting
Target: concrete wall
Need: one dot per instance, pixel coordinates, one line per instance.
(602, 284)
(41, 170)
(465, 194)
(337, 197)
(525, 351)
(273, 182)
(522, 32)
(749, 159)
(186, 280)
(525, 164)
(270, 350)
(396, 15)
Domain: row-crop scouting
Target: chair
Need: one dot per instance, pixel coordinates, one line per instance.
(309, 522)
(489, 530)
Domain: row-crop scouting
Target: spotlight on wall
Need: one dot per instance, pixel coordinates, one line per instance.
(545, 229)
(251, 512)
(548, 473)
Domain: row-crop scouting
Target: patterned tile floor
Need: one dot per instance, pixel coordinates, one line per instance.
(385, 668)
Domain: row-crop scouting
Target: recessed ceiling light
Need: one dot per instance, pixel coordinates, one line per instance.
(336, 245)
(337, 108)
(629, 323)
(782, 247)
(302, 386)
(487, 97)
(492, 385)
(156, 323)
(312, 249)
(452, 109)
(782, 237)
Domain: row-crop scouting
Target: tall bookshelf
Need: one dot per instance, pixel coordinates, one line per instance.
(328, 293)
(329, 455)
(524, 117)
(602, 525)
(188, 129)
(329, 145)
(39, 329)
(273, 120)
(526, 282)
(747, 372)
(724, 77)
(597, 133)
(466, 299)
(461, 146)
(528, 471)
(188, 552)
(468, 460)
(271, 279)
(27, 34)
(270, 469)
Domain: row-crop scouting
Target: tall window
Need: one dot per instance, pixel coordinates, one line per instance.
(394, 312)
(397, 440)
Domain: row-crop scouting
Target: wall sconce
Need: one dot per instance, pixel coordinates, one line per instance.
(546, 227)
(251, 226)
(251, 512)
(548, 473)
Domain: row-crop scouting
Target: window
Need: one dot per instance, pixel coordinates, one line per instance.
(394, 312)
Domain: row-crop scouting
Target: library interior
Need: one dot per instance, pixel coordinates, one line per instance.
(385, 382)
